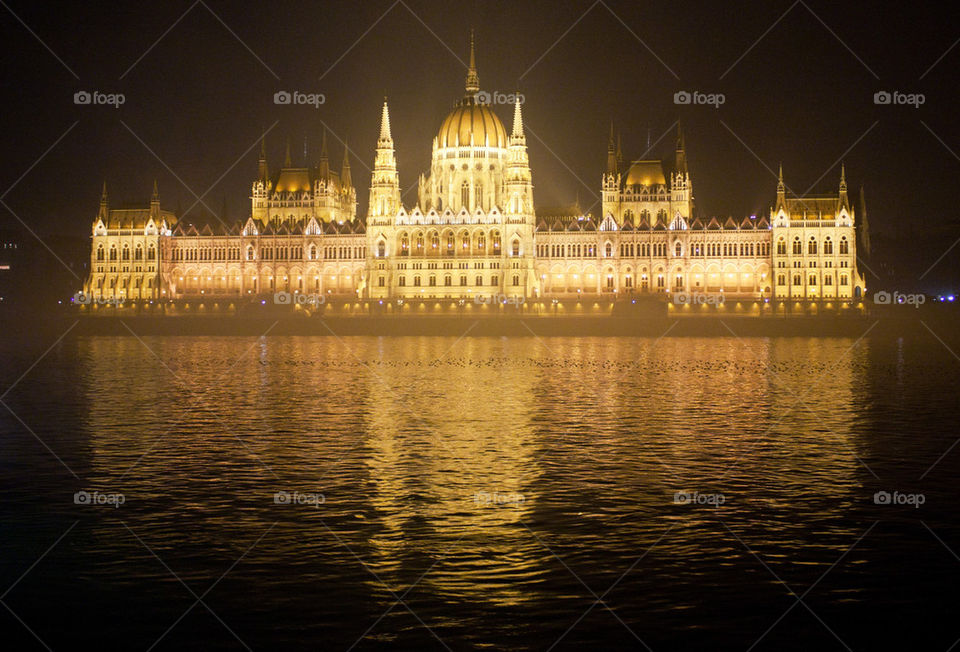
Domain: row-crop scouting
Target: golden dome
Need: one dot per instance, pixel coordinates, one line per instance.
(646, 173)
(470, 117)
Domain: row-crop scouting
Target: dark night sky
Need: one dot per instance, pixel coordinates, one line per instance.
(199, 98)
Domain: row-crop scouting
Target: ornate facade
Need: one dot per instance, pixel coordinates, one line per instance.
(474, 233)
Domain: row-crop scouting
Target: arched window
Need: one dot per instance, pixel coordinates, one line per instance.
(313, 252)
(433, 280)
(404, 245)
(781, 247)
(450, 243)
(812, 246)
(434, 240)
(797, 246)
(100, 252)
(828, 245)
(677, 250)
(608, 250)
(515, 248)
(113, 252)
(465, 195)
(419, 243)
(126, 253)
(138, 253)
(250, 254)
(481, 241)
(496, 242)
(416, 280)
(516, 280)
(844, 245)
(381, 249)
(447, 280)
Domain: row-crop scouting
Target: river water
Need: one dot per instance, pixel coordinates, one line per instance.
(480, 493)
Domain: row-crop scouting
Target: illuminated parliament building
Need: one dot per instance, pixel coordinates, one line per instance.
(474, 232)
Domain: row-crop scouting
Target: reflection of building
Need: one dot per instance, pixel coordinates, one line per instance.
(474, 232)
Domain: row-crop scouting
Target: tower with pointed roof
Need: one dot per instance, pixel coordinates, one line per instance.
(385, 182)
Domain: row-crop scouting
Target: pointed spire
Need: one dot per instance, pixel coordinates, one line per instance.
(286, 161)
(262, 172)
(619, 152)
(346, 180)
(324, 159)
(681, 157)
(844, 201)
(156, 193)
(611, 153)
(473, 80)
(103, 195)
(385, 135)
(781, 192)
(517, 118)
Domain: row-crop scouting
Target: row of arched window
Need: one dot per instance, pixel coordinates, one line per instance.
(812, 279)
(432, 244)
(448, 280)
(813, 246)
(124, 253)
(205, 253)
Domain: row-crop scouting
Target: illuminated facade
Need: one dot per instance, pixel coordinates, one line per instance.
(474, 233)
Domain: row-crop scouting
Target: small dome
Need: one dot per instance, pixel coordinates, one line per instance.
(646, 173)
(470, 117)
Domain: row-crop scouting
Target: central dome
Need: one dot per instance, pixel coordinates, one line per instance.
(472, 118)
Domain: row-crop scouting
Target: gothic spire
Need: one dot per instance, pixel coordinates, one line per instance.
(103, 195)
(611, 153)
(473, 81)
(385, 135)
(155, 197)
(681, 151)
(780, 187)
(346, 181)
(324, 159)
(262, 172)
(517, 118)
(844, 201)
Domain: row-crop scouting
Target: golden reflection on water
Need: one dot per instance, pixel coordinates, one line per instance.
(453, 448)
